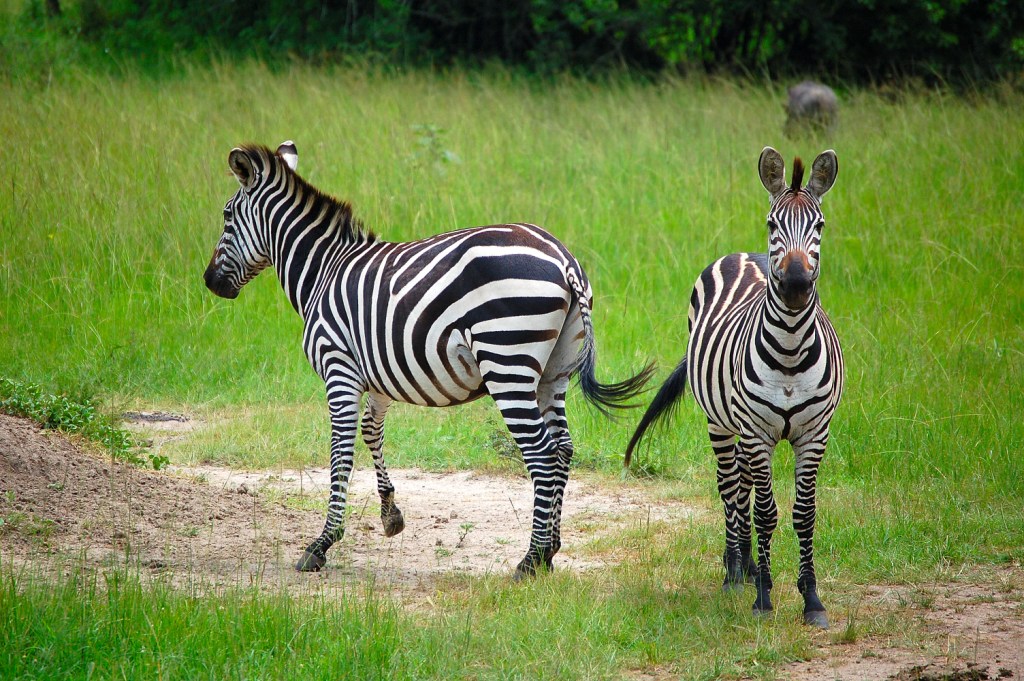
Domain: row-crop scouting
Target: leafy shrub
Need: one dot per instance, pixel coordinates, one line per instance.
(72, 416)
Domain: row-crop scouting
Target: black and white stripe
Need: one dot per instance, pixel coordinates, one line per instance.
(503, 311)
(765, 365)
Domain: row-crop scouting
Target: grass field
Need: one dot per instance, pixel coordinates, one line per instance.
(111, 189)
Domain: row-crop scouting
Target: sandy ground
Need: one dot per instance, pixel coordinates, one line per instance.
(223, 525)
(64, 507)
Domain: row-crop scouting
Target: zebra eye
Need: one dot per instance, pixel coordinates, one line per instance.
(772, 225)
(819, 225)
(227, 214)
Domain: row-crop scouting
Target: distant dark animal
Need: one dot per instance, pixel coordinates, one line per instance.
(765, 365)
(811, 107)
(503, 311)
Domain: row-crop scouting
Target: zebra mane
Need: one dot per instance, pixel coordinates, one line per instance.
(350, 228)
(798, 174)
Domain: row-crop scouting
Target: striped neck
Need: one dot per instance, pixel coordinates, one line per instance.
(788, 336)
(307, 230)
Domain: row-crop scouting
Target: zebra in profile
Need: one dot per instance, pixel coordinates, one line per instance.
(765, 365)
(503, 311)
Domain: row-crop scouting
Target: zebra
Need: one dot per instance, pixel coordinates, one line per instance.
(503, 310)
(765, 365)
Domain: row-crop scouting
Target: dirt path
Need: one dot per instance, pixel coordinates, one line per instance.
(971, 632)
(215, 524)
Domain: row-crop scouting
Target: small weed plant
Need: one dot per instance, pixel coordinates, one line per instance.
(75, 417)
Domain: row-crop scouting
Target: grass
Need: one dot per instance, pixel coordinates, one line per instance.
(113, 625)
(112, 189)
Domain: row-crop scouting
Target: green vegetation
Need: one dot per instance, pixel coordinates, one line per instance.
(74, 416)
(111, 190)
(479, 628)
(955, 40)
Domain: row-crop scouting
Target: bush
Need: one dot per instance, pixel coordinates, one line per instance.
(72, 416)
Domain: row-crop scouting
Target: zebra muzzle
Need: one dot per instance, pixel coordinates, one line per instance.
(219, 284)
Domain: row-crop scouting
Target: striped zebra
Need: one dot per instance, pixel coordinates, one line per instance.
(503, 311)
(765, 365)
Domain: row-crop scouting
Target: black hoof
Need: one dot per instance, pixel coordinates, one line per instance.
(816, 618)
(393, 523)
(310, 562)
(763, 613)
(730, 587)
(534, 561)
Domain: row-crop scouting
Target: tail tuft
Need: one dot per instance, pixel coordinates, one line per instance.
(663, 405)
(604, 396)
(608, 396)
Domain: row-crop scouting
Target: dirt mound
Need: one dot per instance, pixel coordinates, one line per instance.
(57, 499)
(211, 523)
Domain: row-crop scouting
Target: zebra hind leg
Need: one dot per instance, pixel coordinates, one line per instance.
(551, 396)
(517, 401)
(373, 435)
(746, 484)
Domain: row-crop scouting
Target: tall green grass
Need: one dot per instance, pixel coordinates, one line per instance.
(111, 191)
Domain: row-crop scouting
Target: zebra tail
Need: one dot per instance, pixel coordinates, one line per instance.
(663, 405)
(604, 396)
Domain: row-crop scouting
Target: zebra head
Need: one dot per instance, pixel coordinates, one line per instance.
(795, 222)
(243, 250)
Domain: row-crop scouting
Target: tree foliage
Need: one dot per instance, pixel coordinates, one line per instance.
(850, 39)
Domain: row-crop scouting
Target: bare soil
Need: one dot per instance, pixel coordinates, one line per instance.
(968, 631)
(216, 524)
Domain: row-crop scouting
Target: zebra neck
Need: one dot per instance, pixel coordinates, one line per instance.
(787, 336)
(308, 235)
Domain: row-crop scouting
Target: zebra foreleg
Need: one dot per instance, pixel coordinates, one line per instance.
(373, 435)
(746, 484)
(729, 487)
(808, 458)
(766, 518)
(344, 417)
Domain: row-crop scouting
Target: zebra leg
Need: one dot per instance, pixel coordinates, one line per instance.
(746, 484)
(373, 435)
(344, 408)
(729, 484)
(766, 518)
(808, 457)
(552, 402)
(517, 402)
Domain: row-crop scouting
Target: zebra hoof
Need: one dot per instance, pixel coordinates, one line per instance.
(531, 564)
(816, 618)
(310, 562)
(729, 587)
(763, 613)
(393, 523)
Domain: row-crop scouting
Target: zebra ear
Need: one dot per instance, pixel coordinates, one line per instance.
(242, 166)
(823, 173)
(772, 170)
(289, 154)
